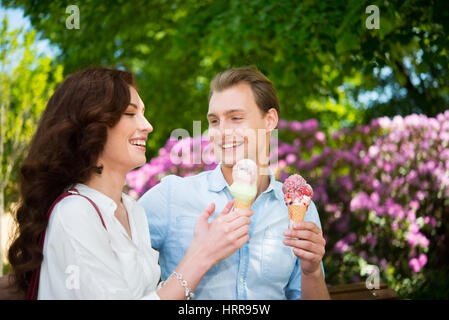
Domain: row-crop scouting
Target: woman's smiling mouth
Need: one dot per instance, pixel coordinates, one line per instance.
(139, 143)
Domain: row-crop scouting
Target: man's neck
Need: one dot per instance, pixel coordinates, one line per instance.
(263, 181)
(109, 182)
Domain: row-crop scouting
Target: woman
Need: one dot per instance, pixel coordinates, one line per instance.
(97, 242)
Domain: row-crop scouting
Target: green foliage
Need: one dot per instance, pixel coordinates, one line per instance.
(319, 54)
(26, 82)
(6, 268)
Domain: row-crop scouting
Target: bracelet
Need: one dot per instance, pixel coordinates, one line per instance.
(188, 293)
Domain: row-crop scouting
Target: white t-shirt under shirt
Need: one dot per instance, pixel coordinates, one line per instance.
(83, 260)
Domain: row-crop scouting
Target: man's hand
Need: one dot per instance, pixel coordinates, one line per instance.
(308, 244)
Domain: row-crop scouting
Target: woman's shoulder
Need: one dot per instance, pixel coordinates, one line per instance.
(74, 210)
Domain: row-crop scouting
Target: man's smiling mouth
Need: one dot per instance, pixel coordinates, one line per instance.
(230, 145)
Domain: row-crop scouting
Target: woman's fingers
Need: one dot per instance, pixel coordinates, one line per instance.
(235, 222)
(227, 208)
(207, 212)
(242, 240)
(239, 231)
(235, 214)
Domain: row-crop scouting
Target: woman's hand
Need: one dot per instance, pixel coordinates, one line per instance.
(211, 243)
(223, 236)
(308, 244)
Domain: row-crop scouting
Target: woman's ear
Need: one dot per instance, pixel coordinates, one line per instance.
(271, 119)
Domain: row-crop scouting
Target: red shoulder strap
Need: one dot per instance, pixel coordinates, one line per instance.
(32, 289)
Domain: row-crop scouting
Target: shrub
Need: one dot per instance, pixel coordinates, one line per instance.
(381, 189)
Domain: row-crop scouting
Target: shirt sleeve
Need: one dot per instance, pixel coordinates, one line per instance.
(78, 251)
(293, 289)
(156, 203)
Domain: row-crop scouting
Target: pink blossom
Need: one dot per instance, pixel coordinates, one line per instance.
(414, 265)
(320, 136)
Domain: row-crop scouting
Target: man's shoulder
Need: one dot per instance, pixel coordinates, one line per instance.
(175, 184)
(177, 180)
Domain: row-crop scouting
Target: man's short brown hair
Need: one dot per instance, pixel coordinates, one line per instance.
(263, 90)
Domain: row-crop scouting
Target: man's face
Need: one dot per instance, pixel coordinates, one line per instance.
(237, 127)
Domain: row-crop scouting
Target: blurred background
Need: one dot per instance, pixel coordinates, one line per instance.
(363, 88)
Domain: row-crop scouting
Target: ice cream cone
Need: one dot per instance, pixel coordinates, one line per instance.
(244, 188)
(238, 204)
(296, 213)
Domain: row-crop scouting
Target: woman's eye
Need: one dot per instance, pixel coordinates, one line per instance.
(129, 114)
(236, 118)
(213, 121)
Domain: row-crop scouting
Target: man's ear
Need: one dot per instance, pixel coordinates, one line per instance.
(271, 119)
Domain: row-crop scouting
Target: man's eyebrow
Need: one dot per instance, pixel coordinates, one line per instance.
(226, 113)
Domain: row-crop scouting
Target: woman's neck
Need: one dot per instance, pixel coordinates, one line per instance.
(109, 182)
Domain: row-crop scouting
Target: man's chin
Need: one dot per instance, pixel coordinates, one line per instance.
(231, 160)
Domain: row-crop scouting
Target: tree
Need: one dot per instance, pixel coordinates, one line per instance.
(26, 82)
(319, 54)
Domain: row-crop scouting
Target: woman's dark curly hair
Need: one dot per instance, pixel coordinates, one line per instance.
(64, 151)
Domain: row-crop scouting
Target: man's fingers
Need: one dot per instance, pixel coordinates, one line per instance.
(305, 245)
(307, 225)
(306, 255)
(305, 235)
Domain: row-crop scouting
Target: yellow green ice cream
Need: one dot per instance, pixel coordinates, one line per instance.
(244, 186)
(243, 191)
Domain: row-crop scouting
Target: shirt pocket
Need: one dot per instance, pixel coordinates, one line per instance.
(278, 260)
(184, 229)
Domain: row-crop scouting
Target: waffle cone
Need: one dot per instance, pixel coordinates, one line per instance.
(241, 204)
(296, 213)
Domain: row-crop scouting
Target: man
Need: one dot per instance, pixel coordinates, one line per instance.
(274, 263)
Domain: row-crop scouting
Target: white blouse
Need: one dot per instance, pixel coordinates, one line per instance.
(83, 260)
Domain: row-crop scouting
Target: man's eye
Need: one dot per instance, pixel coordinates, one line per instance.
(213, 121)
(236, 118)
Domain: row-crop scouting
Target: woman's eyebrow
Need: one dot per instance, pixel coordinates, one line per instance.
(135, 106)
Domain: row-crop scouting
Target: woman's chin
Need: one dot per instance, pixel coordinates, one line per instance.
(139, 163)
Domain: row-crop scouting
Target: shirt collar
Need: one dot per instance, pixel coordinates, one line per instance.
(105, 203)
(217, 182)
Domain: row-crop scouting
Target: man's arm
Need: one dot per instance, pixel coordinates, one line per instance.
(156, 203)
(308, 243)
(313, 286)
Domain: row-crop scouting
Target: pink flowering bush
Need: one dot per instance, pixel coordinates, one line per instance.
(190, 156)
(381, 189)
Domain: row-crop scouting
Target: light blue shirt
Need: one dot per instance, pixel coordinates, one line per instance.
(263, 268)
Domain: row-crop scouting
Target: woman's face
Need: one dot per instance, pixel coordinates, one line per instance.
(126, 143)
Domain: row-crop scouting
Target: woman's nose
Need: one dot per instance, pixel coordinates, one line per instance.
(146, 126)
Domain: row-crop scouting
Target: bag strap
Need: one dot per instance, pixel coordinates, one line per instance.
(32, 289)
